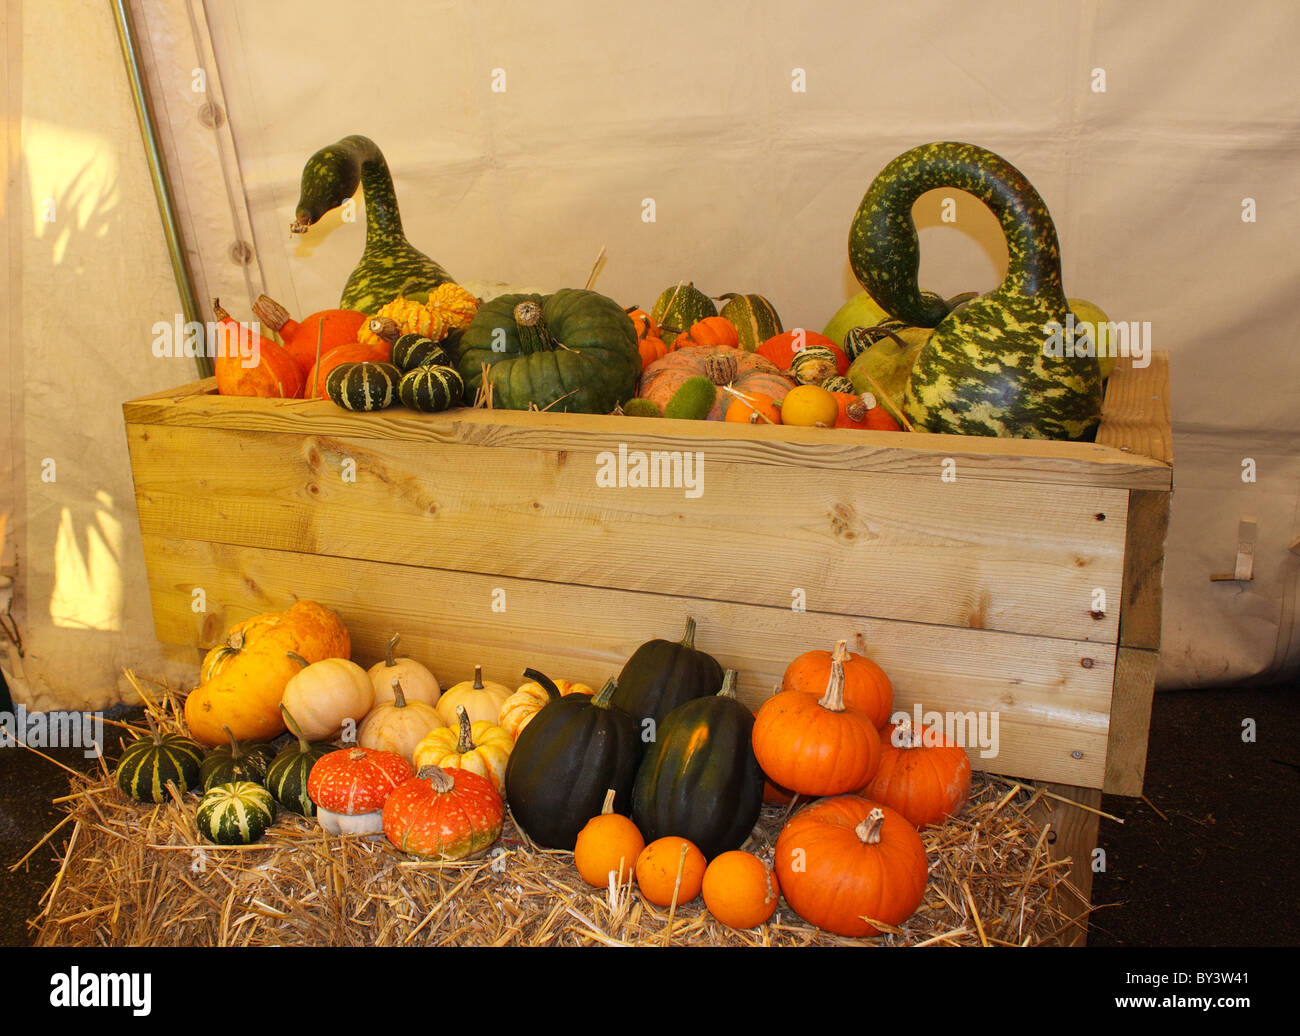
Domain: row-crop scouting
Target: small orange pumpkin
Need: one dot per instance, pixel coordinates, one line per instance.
(443, 814)
(609, 844)
(651, 348)
(923, 775)
(274, 375)
(646, 325)
(752, 408)
(659, 864)
(866, 687)
(740, 890)
(714, 331)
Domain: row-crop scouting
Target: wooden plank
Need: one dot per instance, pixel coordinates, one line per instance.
(1049, 698)
(1130, 721)
(1075, 831)
(1144, 569)
(1026, 559)
(1003, 460)
(1136, 411)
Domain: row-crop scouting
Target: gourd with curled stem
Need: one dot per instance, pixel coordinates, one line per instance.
(985, 370)
(418, 683)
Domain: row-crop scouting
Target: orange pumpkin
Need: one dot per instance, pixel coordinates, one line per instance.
(646, 325)
(272, 373)
(740, 890)
(743, 371)
(314, 386)
(335, 327)
(658, 867)
(845, 859)
(816, 746)
(652, 348)
(609, 844)
(866, 687)
(923, 775)
(715, 331)
(780, 349)
(862, 411)
(752, 408)
(444, 814)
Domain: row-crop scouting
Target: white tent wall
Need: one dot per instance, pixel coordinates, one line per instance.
(523, 138)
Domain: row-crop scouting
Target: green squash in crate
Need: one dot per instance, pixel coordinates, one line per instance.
(678, 308)
(986, 369)
(431, 389)
(754, 318)
(365, 386)
(411, 351)
(235, 814)
(152, 762)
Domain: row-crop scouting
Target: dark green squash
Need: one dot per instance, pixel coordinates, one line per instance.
(986, 369)
(237, 813)
(152, 762)
(430, 389)
(574, 351)
(237, 761)
(754, 318)
(286, 777)
(662, 674)
(366, 386)
(678, 307)
(571, 753)
(700, 780)
(411, 351)
(390, 265)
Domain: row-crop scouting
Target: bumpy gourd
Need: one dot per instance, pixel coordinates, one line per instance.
(984, 370)
(390, 265)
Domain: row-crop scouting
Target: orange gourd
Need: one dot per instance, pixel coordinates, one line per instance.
(847, 858)
(740, 890)
(714, 331)
(923, 775)
(314, 386)
(443, 814)
(866, 686)
(335, 327)
(651, 349)
(862, 411)
(658, 866)
(646, 325)
(271, 374)
(752, 407)
(780, 349)
(608, 844)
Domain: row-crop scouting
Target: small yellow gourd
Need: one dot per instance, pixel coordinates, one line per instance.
(482, 699)
(518, 710)
(482, 748)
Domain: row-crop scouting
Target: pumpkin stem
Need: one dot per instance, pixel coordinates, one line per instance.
(386, 328)
(688, 638)
(833, 699)
(478, 678)
(235, 753)
(236, 641)
(603, 696)
(869, 830)
(441, 780)
(399, 699)
(270, 312)
(294, 729)
(466, 742)
(906, 736)
(298, 658)
(389, 659)
(356, 754)
(220, 311)
(534, 335)
(545, 682)
(728, 685)
(608, 806)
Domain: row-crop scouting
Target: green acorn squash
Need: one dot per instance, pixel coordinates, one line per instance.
(574, 351)
(150, 763)
(235, 814)
(571, 753)
(286, 777)
(430, 388)
(701, 780)
(390, 265)
(662, 674)
(754, 318)
(986, 369)
(237, 761)
(678, 308)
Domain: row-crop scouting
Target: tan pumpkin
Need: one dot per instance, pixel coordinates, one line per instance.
(418, 683)
(518, 710)
(325, 695)
(740, 370)
(482, 699)
(398, 725)
(482, 748)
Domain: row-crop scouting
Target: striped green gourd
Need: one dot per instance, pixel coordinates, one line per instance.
(286, 777)
(755, 318)
(237, 761)
(390, 265)
(368, 385)
(985, 369)
(679, 307)
(431, 389)
(813, 364)
(152, 762)
(837, 383)
(411, 351)
(237, 813)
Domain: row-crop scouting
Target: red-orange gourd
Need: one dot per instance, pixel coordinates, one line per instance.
(646, 325)
(866, 687)
(740, 890)
(715, 331)
(780, 349)
(816, 746)
(336, 327)
(444, 814)
(651, 348)
(844, 860)
(753, 408)
(660, 863)
(923, 775)
(608, 844)
(252, 365)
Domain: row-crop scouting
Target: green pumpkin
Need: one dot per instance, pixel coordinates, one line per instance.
(754, 318)
(238, 761)
(430, 389)
(662, 674)
(571, 753)
(286, 777)
(152, 762)
(573, 351)
(678, 307)
(365, 386)
(390, 265)
(985, 369)
(700, 780)
(411, 351)
(235, 814)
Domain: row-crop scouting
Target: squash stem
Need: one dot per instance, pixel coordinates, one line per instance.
(534, 335)
(604, 695)
(728, 685)
(688, 638)
(608, 806)
(466, 743)
(833, 699)
(399, 699)
(478, 678)
(303, 744)
(441, 780)
(869, 830)
(389, 659)
(545, 682)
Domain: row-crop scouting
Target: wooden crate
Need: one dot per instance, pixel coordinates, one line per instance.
(987, 575)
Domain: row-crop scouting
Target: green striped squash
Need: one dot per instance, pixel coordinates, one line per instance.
(367, 385)
(235, 814)
(988, 367)
(411, 351)
(838, 383)
(679, 307)
(813, 364)
(152, 762)
(390, 265)
(755, 318)
(431, 389)
(237, 761)
(286, 777)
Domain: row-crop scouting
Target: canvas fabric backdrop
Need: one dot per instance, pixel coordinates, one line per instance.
(524, 138)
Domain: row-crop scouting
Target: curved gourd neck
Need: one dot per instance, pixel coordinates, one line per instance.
(885, 249)
(331, 178)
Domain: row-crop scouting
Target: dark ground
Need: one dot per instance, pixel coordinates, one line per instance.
(1216, 870)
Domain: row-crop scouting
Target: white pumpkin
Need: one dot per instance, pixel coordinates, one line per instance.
(482, 700)
(418, 684)
(325, 695)
(398, 725)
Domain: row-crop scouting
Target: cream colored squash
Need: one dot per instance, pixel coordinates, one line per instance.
(325, 695)
(482, 699)
(418, 683)
(398, 725)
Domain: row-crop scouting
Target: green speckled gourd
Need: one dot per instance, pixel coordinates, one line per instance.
(390, 265)
(985, 369)
(754, 318)
(573, 351)
(679, 307)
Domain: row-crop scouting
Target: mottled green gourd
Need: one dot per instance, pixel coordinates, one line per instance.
(693, 401)
(642, 408)
(678, 308)
(754, 318)
(390, 265)
(985, 369)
